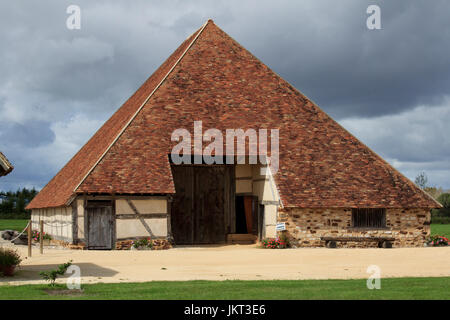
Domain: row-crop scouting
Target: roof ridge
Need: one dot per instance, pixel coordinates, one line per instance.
(142, 105)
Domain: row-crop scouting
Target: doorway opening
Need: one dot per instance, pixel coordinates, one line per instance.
(241, 222)
(247, 220)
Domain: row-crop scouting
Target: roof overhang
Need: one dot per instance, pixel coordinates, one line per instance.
(5, 166)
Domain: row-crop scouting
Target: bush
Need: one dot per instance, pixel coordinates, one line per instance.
(278, 243)
(9, 257)
(15, 216)
(440, 220)
(51, 275)
(444, 199)
(145, 243)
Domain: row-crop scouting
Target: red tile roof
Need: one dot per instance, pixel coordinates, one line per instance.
(212, 78)
(5, 166)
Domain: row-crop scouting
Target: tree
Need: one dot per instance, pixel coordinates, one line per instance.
(434, 191)
(444, 199)
(13, 203)
(421, 180)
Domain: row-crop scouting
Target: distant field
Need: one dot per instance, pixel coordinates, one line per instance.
(13, 224)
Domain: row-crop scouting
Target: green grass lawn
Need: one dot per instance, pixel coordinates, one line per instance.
(441, 229)
(394, 288)
(13, 224)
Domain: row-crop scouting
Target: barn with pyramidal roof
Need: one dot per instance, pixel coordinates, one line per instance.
(327, 187)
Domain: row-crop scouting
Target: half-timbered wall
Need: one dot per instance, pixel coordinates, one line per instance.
(57, 222)
(141, 218)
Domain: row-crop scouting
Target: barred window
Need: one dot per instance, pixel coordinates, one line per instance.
(369, 218)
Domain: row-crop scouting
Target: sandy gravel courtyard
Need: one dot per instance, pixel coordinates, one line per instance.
(236, 262)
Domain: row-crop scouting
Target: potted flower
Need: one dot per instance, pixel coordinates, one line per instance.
(9, 260)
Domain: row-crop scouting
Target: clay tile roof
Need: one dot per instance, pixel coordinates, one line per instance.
(5, 165)
(212, 78)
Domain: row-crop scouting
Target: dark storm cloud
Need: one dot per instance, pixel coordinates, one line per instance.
(327, 52)
(30, 134)
(57, 86)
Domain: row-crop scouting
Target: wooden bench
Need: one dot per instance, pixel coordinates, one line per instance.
(383, 242)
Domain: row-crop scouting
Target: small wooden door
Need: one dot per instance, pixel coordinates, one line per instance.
(99, 226)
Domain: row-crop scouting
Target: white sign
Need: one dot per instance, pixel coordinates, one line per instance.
(281, 226)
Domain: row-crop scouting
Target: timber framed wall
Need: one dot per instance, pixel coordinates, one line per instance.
(133, 217)
(141, 217)
(58, 222)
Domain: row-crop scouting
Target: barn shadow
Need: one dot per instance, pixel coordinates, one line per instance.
(31, 272)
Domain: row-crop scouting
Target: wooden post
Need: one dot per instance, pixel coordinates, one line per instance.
(41, 235)
(29, 239)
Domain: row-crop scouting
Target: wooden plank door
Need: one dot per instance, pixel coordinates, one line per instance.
(201, 208)
(209, 203)
(100, 227)
(183, 204)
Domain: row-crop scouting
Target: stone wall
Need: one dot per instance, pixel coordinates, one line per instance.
(409, 227)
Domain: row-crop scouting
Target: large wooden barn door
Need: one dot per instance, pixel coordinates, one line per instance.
(202, 204)
(99, 225)
(209, 197)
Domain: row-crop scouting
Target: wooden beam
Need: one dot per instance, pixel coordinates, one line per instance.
(124, 197)
(41, 236)
(135, 210)
(29, 238)
(169, 219)
(74, 222)
(142, 216)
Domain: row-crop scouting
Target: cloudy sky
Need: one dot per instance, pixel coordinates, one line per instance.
(389, 87)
